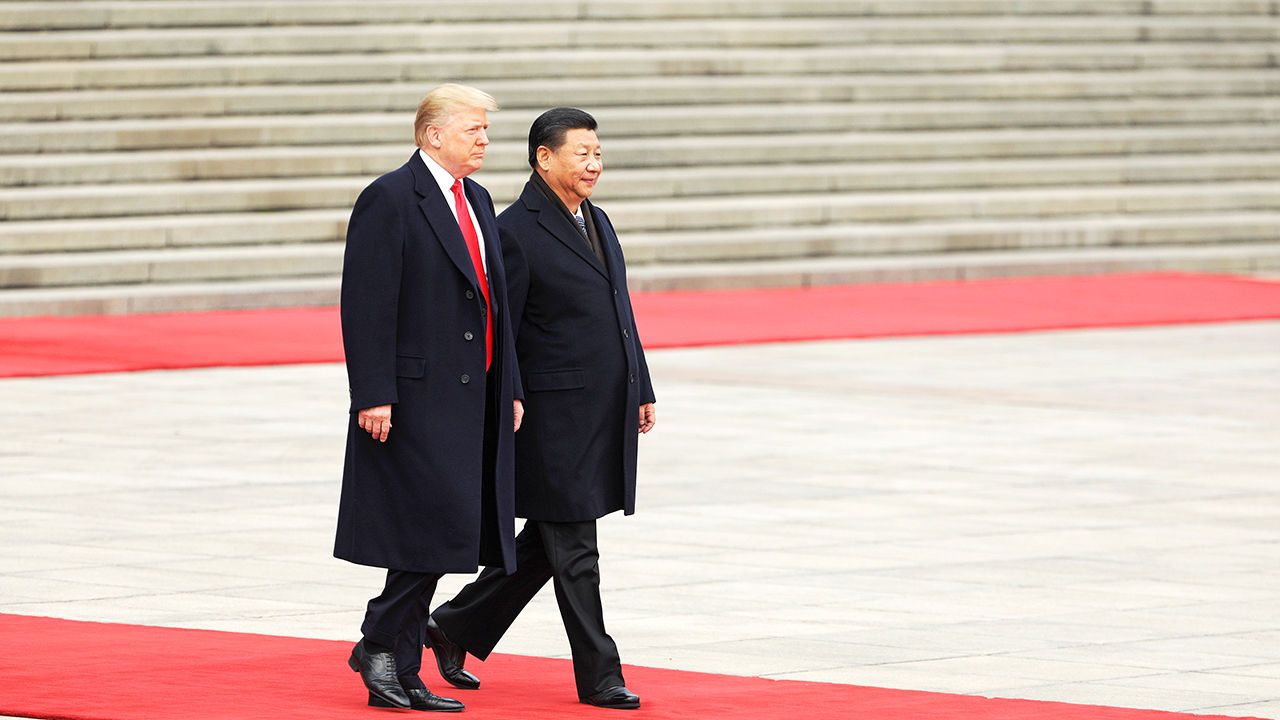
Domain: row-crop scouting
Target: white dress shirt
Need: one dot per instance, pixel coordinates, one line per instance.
(445, 180)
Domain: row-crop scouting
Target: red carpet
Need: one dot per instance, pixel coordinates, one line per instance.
(69, 670)
(70, 345)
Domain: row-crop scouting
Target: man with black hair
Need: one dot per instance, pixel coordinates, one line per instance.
(588, 396)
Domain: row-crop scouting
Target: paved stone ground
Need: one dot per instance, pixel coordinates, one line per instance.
(1085, 516)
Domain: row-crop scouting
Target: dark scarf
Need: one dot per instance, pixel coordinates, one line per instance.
(593, 234)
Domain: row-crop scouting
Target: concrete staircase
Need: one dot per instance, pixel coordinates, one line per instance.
(162, 155)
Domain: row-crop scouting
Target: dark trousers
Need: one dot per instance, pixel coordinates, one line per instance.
(396, 618)
(565, 553)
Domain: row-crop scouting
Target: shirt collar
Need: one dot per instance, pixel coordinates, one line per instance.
(442, 176)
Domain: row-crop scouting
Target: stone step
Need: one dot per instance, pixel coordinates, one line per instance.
(170, 297)
(1261, 258)
(671, 214)
(318, 226)
(863, 239)
(866, 239)
(508, 156)
(604, 92)
(429, 68)
(631, 154)
(621, 122)
(156, 231)
(746, 211)
(246, 13)
(269, 192)
(557, 35)
(1232, 259)
(171, 265)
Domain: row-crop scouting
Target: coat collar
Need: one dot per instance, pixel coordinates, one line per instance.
(556, 221)
(436, 209)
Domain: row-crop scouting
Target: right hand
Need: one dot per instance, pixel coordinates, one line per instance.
(376, 421)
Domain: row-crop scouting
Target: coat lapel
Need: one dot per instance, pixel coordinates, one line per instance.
(608, 244)
(560, 227)
(488, 236)
(440, 218)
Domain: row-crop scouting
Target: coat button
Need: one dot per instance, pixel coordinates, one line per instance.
(615, 291)
(633, 377)
(467, 378)
(626, 332)
(471, 295)
(467, 335)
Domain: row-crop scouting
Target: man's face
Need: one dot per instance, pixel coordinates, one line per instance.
(574, 168)
(460, 143)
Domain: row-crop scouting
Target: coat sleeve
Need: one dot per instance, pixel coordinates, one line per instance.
(646, 385)
(516, 266)
(370, 297)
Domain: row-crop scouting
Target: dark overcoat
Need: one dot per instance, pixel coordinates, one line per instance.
(581, 364)
(413, 322)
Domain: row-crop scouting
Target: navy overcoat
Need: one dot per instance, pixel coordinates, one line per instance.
(413, 330)
(581, 363)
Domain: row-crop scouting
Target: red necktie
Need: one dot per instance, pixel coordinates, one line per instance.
(473, 247)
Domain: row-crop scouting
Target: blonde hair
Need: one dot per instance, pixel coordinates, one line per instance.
(443, 101)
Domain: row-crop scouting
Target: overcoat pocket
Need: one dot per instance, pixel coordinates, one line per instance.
(408, 366)
(556, 380)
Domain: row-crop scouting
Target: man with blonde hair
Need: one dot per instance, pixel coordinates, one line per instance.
(428, 348)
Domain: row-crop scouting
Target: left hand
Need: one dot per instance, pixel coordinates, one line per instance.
(648, 417)
(518, 412)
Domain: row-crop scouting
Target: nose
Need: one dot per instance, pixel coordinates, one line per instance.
(483, 138)
(595, 164)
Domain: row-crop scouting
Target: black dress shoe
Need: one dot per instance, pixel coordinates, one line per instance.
(449, 658)
(617, 697)
(378, 671)
(423, 700)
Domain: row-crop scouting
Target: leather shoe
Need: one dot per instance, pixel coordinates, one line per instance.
(378, 671)
(424, 700)
(449, 658)
(617, 697)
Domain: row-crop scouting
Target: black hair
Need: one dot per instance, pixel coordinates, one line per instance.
(550, 128)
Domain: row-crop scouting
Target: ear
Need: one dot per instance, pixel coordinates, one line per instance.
(544, 157)
(433, 138)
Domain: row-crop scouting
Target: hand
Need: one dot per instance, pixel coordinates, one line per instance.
(518, 412)
(376, 421)
(648, 417)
